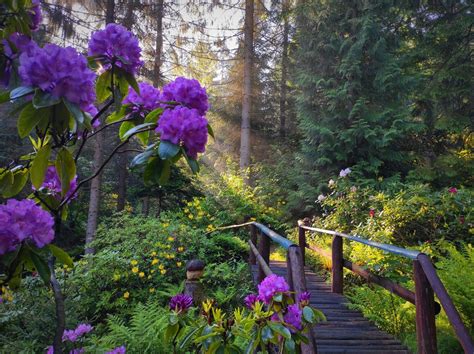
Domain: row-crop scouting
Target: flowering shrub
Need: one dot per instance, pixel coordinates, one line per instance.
(272, 320)
(58, 99)
(24, 221)
(186, 92)
(184, 126)
(145, 101)
(60, 72)
(115, 45)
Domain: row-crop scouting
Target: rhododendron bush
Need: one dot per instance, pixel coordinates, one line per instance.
(65, 98)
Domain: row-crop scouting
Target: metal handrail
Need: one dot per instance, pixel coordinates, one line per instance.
(411, 254)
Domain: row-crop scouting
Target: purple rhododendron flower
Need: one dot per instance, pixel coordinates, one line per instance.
(35, 15)
(181, 302)
(16, 44)
(52, 183)
(304, 298)
(184, 126)
(146, 101)
(50, 350)
(63, 72)
(187, 92)
(250, 300)
(271, 286)
(118, 350)
(24, 220)
(73, 335)
(293, 317)
(77, 351)
(115, 44)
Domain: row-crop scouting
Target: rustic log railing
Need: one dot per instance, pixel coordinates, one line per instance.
(260, 255)
(427, 283)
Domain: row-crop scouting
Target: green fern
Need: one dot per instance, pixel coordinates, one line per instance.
(143, 333)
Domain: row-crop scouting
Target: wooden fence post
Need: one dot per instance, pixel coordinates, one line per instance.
(253, 238)
(295, 261)
(425, 312)
(337, 266)
(264, 250)
(302, 238)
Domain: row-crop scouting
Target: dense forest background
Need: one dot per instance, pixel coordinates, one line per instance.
(356, 114)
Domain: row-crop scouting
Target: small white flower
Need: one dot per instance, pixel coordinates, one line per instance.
(345, 172)
(331, 182)
(353, 189)
(321, 197)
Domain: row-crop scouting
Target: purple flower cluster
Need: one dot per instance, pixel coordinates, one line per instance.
(271, 286)
(63, 72)
(181, 302)
(304, 298)
(293, 317)
(16, 44)
(250, 300)
(52, 183)
(115, 44)
(24, 220)
(35, 15)
(185, 126)
(73, 335)
(118, 350)
(186, 92)
(146, 101)
(50, 350)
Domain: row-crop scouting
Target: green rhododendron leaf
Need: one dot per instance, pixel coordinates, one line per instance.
(152, 117)
(75, 111)
(124, 128)
(308, 314)
(41, 267)
(141, 158)
(66, 169)
(167, 150)
(137, 129)
(117, 115)
(21, 92)
(43, 99)
(210, 131)
(61, 255)
(290, 345)
(40, 165)
(29, 118)
(19, 180)
(102, 87)
(280, 329)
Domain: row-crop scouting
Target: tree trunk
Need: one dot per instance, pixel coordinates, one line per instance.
(284, 68)
(157, 79)
(94, 200)
(145, 205)
(122, 180)
(247, 89)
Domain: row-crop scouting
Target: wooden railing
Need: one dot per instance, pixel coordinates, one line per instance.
(427, 283)
(260, 241)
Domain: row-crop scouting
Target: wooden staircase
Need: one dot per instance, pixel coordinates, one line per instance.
(346, 330)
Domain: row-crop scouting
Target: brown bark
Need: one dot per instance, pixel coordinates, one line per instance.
(284, 68)
(247, 86)
(122, 180)
(94, 199)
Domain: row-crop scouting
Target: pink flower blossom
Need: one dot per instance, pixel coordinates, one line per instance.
(453, 190)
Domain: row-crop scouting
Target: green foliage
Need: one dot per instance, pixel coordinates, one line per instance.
(455, 270)
(142, 333)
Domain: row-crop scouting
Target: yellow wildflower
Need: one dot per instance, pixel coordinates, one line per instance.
(135, 270)
(134, 262)
(154, 261)
(126, 295)
(152, 271)
(161, 267)
(170, 239)
(151, 290)
(141, 274)
(149, 277)
(153, 254)
(163, 271)
(179, 264)
(180, 249)
(191, 216)
(116, 277)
